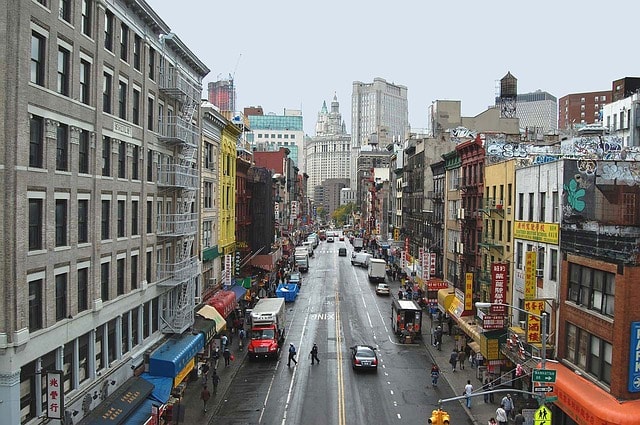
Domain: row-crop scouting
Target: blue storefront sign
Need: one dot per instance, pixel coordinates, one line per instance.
(634, 358)
(171, 357)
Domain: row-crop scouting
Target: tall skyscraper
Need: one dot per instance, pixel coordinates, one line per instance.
(328, 152)
(222, 93)
(379, 114)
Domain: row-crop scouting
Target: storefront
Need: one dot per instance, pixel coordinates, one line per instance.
(585, 403)
(176, 357)
(153, 407)
(210, 323)
(121, 404)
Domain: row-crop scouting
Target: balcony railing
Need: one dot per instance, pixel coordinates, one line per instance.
(175, 175)
(173, 274)
(174, 83)
(176, 130)
(177, 224)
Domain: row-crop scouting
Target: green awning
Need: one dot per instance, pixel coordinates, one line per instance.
(210, 253)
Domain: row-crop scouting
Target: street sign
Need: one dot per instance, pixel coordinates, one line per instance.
(542, 416)
(542, 389)
(551, 399)
(544, 375)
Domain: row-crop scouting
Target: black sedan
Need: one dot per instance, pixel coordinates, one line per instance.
(364, 357)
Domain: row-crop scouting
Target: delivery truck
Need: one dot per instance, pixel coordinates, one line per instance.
(377, 270)
(358, 243)
(302, 259)
(267, 331)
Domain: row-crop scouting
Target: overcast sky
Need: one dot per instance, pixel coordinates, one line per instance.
(296, 54)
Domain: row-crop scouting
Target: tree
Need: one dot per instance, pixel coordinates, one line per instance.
(341, 214)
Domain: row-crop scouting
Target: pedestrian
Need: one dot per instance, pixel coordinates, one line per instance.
(453, 359)
(472, 359)
(435, 374)
(241, 334)
(468, 389)
(485, 387)
(501, 415)
(314, 354)
(205, 395)
(227, 356)
(215, 379)
(215, 357)
(438, 338)
(519, 419)
(507, 404)
(223, 341)
(461, 357)
(400, 294)
(204, 368)
(292, 355)
(492, 421)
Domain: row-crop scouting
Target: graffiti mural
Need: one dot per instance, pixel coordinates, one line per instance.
(618, 172)
(462, 134)
(578, 194)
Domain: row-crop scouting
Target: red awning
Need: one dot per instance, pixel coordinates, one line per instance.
(586, 403)
(223, 301)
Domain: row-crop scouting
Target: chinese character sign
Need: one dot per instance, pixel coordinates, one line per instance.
(530, 275)
(498, 287)
(294, 208)
(228, 265)
(55, 399)
(534, 325)
(468, 291)
(432, 264)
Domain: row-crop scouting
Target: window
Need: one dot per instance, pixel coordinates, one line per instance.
(124, 333)
(543, 209)
(124, 42)
(531, 206)
(83, 152)
(99, 348)
(61, 222)
(36, 136)
(121, 218)
(85, 81)
(137, 48)
(87, 17)
(206, 234)
(152, 64)
(122, 160)
(135, 162)
(592, 289)
(519, 255)
(62, 147)
(150, 114)
(83, 220)
(61, 296)
(134, 218)
(83, 289)
(108, 30)
(63, 71)
(122, 100)
(65, 10)
(104, 281)
(208, 195)
(106, 93)
(106, 156)
(134, 327)
(149, 216)
(68, 366)
(35, 224)
(149, 165)
(37, 58)
(520, 206)
(35, 305)
(120, 276)
(148, 267)
(83, 355)
(104, 224)
(629, 208)
(589, 352)
(135, 104)
(553, 271)
(556, 210)
(134, 272)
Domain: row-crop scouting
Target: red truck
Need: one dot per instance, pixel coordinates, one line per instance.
(267, 328)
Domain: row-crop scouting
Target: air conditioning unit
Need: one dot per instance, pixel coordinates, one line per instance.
(460, 215)
(539, 272)
(499, 204)
(508, 210)
(197, 300)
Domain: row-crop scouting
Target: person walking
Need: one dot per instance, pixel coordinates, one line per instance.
(435, 374)
(204, 369)
(438, 338)
(215, 380)
(215, 357)
(226, 354)
(492, 421)
(461, 356)
(205, 395)
(507, 404)
(292, 355)
(486, 385)
(501, 415)
(314, 354)
(519, 419)
(223, 341)
(468, 389)
(453, 359)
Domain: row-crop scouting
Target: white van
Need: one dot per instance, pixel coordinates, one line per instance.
(360, 259)
(309, 246)
(377, 270)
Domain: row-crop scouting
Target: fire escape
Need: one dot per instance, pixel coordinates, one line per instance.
(178, 181)
(372, 189)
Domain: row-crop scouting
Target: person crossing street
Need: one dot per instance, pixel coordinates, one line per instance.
(292, 355)
(314, 354)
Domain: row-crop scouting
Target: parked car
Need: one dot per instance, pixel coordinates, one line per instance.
(382, 289)
(295, 277)
(364, 357)
(342, 252)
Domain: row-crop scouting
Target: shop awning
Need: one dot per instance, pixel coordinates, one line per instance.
(160, 395)
(445, 296)
(456, 308)
(239, 291)
(210, 316)
(474, 346)
(120, 404)
(585, 402)
(172, 356)
(468, 326)
(224, 301)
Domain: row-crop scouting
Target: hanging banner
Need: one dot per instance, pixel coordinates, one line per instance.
(530, 263)
(534, 325)
(498, 288)
(468, 291)
(55, 395)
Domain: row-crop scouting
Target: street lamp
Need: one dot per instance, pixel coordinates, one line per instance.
(542, 318)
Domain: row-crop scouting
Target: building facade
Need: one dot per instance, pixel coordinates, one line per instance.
(271, 132)
(579, 109)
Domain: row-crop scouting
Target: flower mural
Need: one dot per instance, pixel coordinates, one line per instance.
(574, 195)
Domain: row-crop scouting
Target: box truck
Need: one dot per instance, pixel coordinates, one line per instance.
(377, 270)
(267, 328)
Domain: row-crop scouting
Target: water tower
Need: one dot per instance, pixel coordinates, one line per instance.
(508, 95)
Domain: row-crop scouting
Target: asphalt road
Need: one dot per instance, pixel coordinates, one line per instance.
(336, 308)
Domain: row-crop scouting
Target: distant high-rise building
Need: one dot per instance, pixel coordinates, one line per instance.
(537, 111)
(327, 154)
(580, 109)
(222, 93)
(271, 132)
(377, 109)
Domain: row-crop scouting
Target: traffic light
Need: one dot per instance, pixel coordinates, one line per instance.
(439, 417)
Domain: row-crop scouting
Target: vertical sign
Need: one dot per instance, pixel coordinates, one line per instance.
(432, 264)
(534, 325)
(55, 395)
(468, 291)
(498, 287)
(530, 275)
(294, 208)
(421, 260)
(228, 264)
(634, 358)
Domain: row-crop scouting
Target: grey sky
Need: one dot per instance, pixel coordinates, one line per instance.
(296, 54)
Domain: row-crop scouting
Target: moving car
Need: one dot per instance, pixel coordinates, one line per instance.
(364, 357)
(329, 238)
(342, 252)
(382, 289)
(341, 237)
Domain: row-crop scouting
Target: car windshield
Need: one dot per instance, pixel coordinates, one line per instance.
(263, 334)
(365, 352)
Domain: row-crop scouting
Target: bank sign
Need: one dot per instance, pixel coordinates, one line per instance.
(634, 358)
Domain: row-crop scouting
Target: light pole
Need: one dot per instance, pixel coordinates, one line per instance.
(542, 318)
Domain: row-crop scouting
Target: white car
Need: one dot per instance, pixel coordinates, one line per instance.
(382, 289)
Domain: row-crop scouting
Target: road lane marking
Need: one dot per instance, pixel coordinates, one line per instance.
(342, 418)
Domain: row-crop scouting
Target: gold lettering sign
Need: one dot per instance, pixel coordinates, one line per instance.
(538, 232)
